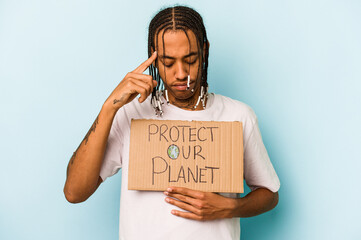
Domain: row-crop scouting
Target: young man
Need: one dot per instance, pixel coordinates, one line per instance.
(178, 62)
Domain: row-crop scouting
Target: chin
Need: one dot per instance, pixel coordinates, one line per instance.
(183, 95)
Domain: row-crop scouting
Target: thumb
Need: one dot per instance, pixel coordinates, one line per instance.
(154, 83)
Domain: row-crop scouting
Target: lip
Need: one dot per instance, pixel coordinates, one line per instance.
(182, 86)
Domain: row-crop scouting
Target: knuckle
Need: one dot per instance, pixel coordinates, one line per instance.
(202, 196)
(149, 90)
(201, 205)
(129, 84)
(199, 212)
(143, 91)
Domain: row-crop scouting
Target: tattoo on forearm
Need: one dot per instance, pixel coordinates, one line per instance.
(115, 101)
(92, 129)
(85, 140)
(73, 157)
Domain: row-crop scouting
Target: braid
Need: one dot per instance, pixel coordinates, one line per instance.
(178, 18)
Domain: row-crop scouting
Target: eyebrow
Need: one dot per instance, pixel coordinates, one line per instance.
(188, 55)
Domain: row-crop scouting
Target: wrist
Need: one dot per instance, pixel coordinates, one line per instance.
(236, 205)
(109, 108)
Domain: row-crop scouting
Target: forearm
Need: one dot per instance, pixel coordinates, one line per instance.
(84, 166)
(256, 202)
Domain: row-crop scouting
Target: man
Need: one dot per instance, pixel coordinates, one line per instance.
(178, 62)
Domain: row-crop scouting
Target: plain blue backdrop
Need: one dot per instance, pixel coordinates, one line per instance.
(296, 63)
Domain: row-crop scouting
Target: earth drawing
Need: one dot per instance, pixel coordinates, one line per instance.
(173, 151)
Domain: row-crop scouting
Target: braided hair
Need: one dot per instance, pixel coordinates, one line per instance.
(178, 18)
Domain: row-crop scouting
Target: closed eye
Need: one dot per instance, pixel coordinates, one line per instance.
(192, 62)
(167, 65)
(191, 59)
(167, 62)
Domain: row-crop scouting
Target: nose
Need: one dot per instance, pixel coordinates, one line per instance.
(181, 71)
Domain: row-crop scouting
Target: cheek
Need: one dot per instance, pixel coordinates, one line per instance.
(195, 70)
(164, 73)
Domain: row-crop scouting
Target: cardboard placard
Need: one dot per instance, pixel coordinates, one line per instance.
(200, 155)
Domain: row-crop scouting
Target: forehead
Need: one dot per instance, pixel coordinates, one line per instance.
(176, 43)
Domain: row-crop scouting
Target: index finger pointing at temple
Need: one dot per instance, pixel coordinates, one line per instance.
(142, 67)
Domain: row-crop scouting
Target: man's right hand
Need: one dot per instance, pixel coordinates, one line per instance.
(83, 173)
(134, 83)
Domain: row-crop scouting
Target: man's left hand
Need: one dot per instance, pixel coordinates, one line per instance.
(199, 205)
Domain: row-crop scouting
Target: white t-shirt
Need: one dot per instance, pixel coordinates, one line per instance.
(145, 214)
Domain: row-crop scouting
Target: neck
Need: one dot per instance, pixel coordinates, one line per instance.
(187, 104)
(193, 103)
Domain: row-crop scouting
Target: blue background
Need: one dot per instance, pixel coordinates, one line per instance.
(296, 63)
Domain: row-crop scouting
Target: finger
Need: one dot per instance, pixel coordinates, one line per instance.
(183, 205)
(142, 67)
(187, 192)
(144, 77)
(186, 199)
(147, 86)
(143, 88)
(187, 215)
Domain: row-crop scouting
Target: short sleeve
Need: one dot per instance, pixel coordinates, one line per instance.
(258, 169)
(112, 160)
